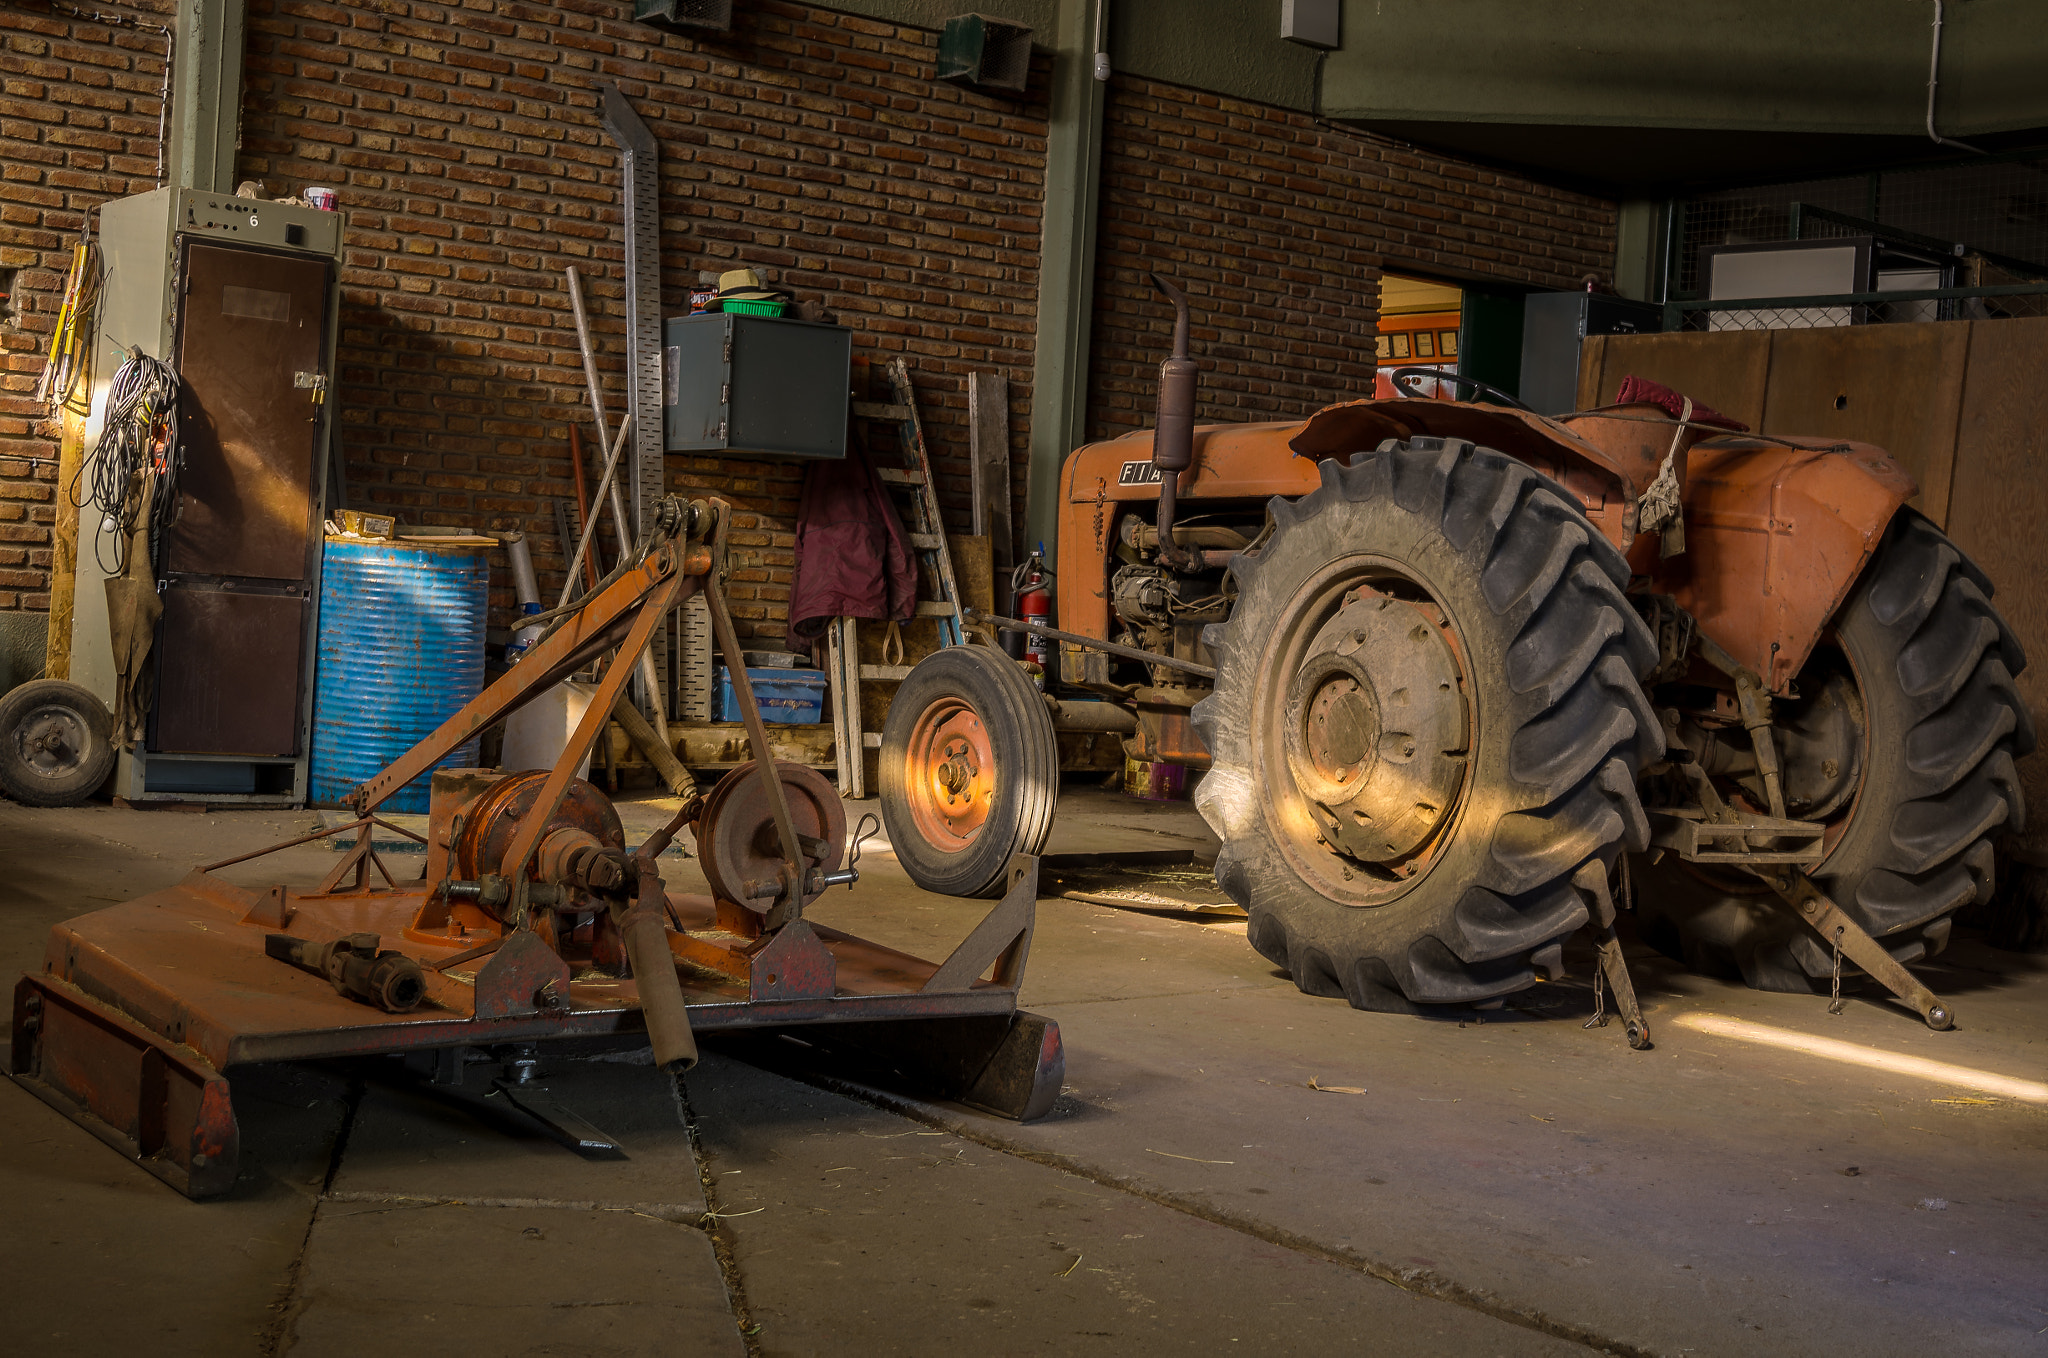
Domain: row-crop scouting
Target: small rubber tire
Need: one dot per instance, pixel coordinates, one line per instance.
(1024, 781)
(83, 728)
(1560, 727)
(1934, 664)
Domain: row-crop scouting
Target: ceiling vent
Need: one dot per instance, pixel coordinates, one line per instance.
(985, 53)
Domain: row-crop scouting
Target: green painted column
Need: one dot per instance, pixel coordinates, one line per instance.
(1639, 226)
(1066, 270)
(206, 94)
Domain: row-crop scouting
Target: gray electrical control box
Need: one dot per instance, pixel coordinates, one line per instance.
(755, 386)
(1554, 328)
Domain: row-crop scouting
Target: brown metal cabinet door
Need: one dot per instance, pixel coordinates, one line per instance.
(229, 683)
(249, 323)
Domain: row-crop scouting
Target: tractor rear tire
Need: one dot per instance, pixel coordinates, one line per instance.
(1933, 666)
(1472, 901)
(970, 770)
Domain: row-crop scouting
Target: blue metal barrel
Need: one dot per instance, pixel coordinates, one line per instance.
(401, 650)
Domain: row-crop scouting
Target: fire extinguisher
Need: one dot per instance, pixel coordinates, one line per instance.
(1031, 584)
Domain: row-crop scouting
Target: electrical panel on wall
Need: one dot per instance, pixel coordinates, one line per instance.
(1312, 23)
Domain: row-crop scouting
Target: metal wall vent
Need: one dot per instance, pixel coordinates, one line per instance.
(684, 14)
(985, 53)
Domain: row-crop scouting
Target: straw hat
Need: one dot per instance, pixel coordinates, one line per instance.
(744, 285)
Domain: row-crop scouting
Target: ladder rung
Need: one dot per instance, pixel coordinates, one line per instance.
(871, 739)
(876, 410)
(926, 542)
(937, 608)
(896, 476)
(884, 673)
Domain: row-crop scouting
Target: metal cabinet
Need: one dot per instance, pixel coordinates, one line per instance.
(242, 297)
(755, 386)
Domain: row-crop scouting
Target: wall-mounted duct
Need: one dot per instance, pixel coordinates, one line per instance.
(685, 15)
(985, 53)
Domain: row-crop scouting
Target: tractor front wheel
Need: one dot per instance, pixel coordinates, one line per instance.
(969, 770)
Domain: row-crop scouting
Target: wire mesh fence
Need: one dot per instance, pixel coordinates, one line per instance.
(1994, 207)
(1859, 308)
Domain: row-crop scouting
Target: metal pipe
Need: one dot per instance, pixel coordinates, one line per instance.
(1933, 83)
(611, 465)
(650, 675)
(1110, 718)
(1173, 427)
(644, 930)
(1092, 643)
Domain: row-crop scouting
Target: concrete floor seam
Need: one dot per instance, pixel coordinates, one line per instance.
(277, 1338)
(655, 1211)
(1420, 1281)
(721, 1240)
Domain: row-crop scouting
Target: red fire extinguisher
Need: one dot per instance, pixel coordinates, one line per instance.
(1031, 583)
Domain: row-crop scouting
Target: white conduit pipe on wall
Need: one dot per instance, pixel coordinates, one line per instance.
(1934, 83)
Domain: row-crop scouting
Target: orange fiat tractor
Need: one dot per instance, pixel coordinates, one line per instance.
(1465, 679)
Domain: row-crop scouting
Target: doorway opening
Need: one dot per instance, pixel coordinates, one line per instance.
(1428, 323)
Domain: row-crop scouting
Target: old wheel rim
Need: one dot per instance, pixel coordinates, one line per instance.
(950, 774)
(51, 742)
(1368, 713)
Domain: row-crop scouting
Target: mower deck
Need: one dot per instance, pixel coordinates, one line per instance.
(142, 1008)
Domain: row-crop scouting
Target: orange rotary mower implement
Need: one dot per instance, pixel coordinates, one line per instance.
(533, 924)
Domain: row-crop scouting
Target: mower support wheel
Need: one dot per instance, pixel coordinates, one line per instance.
(969, 770)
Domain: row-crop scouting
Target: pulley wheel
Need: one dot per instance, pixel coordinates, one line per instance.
(491, 821)
(737, 839)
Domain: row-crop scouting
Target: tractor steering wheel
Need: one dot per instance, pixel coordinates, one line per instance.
(1401, 377)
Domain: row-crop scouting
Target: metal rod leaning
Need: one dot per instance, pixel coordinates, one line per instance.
(590, 524)
(650, 674)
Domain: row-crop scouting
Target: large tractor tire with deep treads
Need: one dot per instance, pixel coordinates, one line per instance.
(1426, 728)
(1901, 741)
(970, 770)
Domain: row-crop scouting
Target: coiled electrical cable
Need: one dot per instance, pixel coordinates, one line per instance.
(138, 457)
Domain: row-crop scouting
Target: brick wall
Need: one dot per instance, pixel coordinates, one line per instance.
(467, 150)
(78, 125)
(1278, 227)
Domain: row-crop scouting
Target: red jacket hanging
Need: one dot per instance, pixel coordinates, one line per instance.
(853, 559)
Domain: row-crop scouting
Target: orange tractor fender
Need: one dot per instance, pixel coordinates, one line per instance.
(1776, 529)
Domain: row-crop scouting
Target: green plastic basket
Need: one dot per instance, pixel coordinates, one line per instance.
(756, 308)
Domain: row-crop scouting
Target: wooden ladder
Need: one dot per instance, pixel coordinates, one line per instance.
(917, 501)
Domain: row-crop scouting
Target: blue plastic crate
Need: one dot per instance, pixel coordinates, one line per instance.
(789, 696)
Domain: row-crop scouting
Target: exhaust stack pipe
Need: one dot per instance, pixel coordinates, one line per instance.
(1173, 428)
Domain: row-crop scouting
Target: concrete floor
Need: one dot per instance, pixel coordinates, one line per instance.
(1233, 1164)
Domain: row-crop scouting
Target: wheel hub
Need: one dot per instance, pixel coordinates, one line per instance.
(1376, 730)
(52, 741)
(951, 774)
